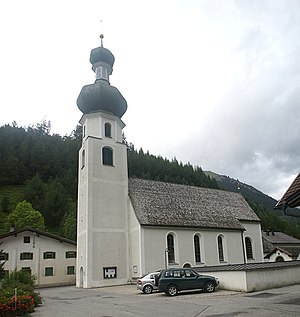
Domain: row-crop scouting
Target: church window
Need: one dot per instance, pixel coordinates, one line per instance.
(107, 156)
(197, 248)
(107, 130)
(248, 244)
(220, 249)
(83, 159)
(171, 251)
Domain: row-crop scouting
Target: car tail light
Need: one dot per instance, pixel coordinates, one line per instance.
(139, 282)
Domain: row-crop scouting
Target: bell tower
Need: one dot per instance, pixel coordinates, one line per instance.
(102, 224)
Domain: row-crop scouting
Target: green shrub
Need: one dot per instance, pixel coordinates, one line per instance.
(20, 280)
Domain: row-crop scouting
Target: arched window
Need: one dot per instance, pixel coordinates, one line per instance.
(197, 248)
(170, 245)
(107, 130)
(83, 159)
(248, 244)
(107, 156)
(220, 249)
(279, 259)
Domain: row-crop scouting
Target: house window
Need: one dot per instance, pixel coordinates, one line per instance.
(107, 156)
(197, 248)
(248, 244)
(3, 256)
(70, 254)
(220, 249)
(70, 270)
(49, 271)
(170, 246)
(49, 255)
(26, 239)
(26, 269)
(107, 130)
(26, 256)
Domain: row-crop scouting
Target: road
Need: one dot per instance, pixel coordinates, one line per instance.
(126, 301)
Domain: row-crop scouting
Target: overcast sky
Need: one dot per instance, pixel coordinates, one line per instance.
(212, 82)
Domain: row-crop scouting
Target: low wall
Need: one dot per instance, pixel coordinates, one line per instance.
(255, 276)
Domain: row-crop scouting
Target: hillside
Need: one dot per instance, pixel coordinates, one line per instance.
(42, 169)
(253, 195)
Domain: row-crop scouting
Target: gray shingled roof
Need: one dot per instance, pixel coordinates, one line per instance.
(279, 238)
(166, 204)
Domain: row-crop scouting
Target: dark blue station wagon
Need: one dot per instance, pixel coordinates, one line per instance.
(174, 280)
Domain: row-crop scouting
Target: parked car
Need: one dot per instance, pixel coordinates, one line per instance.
(148, 282)
(172, 281)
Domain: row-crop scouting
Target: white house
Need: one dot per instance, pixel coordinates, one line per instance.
(279, 247)
(52, 259)
(128, 227)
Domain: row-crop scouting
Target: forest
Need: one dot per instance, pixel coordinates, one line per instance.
(39, 169)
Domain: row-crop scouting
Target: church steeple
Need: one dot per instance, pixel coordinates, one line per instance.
(102, 232)
(101, 96)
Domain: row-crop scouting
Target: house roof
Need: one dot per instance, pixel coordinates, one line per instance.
(291, 198)
(293, 252)
(38, 232)
(278, 238)
(166, 204)
(274, 241)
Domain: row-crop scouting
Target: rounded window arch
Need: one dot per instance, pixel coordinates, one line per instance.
(107, 130)
(171, 247)
(107, 156)
(197, 248)
(249, 249)
(187, 265)
(279, 259)
(83, 158)
(220, 243)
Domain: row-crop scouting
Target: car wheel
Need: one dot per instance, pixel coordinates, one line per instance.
(209, 287)
(172, 290)
(148, 289)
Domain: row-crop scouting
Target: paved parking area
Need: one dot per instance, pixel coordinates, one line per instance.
(127, 301)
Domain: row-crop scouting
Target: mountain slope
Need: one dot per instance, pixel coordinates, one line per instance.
(253, 195)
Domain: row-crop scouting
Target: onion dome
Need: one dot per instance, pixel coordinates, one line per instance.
(101, 96)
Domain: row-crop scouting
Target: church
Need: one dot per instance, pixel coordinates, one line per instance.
(128, 227)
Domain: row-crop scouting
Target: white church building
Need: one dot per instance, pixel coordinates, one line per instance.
(127, 227)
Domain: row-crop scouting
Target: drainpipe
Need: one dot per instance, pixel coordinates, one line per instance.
(166, 257)
(243, 245)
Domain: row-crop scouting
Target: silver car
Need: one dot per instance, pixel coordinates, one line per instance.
(148, 282)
